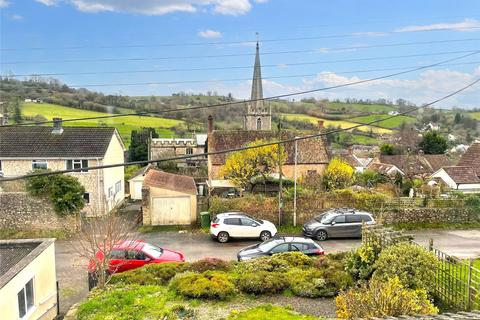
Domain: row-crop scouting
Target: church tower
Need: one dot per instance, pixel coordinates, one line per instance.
(258, 114)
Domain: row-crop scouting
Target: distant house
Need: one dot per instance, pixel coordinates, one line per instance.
(385, 169)
(417, 165)
(25, 148)
(168, 199)
(471, 157)
(360, 164)
(460, 178)
(27, 279)
(169, 147)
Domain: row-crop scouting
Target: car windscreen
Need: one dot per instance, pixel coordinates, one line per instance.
(152, 251)
(327, 218)
(256, 220)
(268, 245)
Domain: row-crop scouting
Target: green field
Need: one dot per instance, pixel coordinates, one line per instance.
(474, 115)
(356, 107)
(390, 123)
(337, 123)
(124, 125)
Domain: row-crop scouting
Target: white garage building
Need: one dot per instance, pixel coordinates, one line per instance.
(168, 199)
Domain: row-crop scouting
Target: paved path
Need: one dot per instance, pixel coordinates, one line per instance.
(71, 269)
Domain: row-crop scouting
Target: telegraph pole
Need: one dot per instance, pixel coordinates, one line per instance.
(280, 196)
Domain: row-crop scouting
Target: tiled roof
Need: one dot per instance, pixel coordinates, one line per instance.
(471, 157)
(11, 254)
(381, 168)
(310, 151)
(462, 174)
(39, 142)
(170, 181)
(417, 164)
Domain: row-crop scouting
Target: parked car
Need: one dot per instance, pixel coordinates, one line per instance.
(337, 223)
(279, 245)
(240, 225)
(128, 255)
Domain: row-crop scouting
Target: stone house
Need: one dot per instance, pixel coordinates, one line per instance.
(168, 199)
(28, 287)
(172, 147)
(26, 148)
(413, 165)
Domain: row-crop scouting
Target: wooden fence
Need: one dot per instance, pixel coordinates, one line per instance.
(457, 281)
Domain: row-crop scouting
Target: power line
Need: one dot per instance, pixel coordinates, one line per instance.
(216, 43)
(311, 136)
(234, 67)
(319, 50)
(253, 100)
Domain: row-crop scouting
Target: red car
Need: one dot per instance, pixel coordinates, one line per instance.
(132, 254)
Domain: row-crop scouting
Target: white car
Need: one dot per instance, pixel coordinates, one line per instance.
(240, 225)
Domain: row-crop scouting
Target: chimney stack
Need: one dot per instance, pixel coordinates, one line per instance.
(320, 125)
(57, 126)
(210, 124)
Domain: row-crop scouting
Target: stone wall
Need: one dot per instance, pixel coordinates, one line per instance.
(21, 211)
(432, 215)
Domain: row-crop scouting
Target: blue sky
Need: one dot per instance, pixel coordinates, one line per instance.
(73, 36)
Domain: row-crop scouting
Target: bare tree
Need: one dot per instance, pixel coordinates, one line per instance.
(96, 241)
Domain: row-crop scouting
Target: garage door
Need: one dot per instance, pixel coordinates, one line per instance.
(170, 210)
(137, 190)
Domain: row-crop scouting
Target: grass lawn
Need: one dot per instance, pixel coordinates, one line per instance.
(343, 124)
(124, 125)
(390, 123)
(356, 107)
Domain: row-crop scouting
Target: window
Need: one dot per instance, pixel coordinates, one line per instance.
(110, 192)
(354, 218)
(232, 221)
(77, 164)
(0, 165)
(259, 124)
(311, 172)
(118, 186)
(86, 197)
(247, 222)
(340, 219)
(366, 218)
(25, 299)
(189, 151)
(135, 255)
(280, 248)
(117, 254)
(39, 164)
(296, 247)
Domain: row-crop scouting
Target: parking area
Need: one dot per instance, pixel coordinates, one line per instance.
(71, 269)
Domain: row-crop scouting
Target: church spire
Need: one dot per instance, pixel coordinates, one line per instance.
(257, 91)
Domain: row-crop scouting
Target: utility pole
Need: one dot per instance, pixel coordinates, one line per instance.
(280, 197)
(295, 185)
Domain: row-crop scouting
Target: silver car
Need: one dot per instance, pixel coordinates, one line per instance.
(337, 223)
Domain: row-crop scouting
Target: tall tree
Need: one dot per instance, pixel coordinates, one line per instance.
(138, 149)
(433, 143)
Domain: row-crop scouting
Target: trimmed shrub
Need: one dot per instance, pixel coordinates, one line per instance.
(151, 274)
(207, 285)
(281, 262)
(383, 299)
(308, 283)
(414, 266)
(268, 312)
(207, 264)
(262, 282)
(360, 263)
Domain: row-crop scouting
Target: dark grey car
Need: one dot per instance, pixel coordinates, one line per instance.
(279, 245)
(337, 223)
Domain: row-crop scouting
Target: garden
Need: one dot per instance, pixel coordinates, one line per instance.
(367, 282)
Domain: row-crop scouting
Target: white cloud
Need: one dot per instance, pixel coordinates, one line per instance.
(4, 3)
(209, 34)
(160, 7)
(15, 17)
(459, 26)
(48, 2)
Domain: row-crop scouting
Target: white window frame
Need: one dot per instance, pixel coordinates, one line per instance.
(77, 164)
(33, 307)
(39, 161)
(189, 150)
(119, 185)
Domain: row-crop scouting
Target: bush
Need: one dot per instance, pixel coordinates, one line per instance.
(308, 283)
(414, 266)
(281, 262)
(360, 263)
(207, 264)
(262, 282)
(383, 299)
(268, 312)
(338, 175)
(151, 274)
(207, 285)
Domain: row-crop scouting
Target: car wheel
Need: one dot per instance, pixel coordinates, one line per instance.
(265, 235)
(223, 237)
(322, 235)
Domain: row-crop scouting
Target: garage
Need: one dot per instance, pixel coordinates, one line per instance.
(168, 199)
(136, 182)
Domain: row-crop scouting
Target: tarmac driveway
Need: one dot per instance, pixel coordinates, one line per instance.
(71, 269)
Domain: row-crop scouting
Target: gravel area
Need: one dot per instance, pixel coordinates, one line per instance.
(321, 307)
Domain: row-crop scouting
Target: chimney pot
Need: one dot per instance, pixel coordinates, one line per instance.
(210, 123)
(57, 126)
(320, 124)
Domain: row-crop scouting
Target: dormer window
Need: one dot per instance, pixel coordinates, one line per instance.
(77, 164)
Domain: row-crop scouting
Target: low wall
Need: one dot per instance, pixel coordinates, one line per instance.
(21, 211)
(309, 207)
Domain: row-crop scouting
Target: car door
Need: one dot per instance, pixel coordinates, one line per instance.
(353, 225)
(249, 228)
(135, 259)
(232, 226)
(337, 227)
(117, 261)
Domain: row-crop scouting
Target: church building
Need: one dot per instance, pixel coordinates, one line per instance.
(312, 154)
